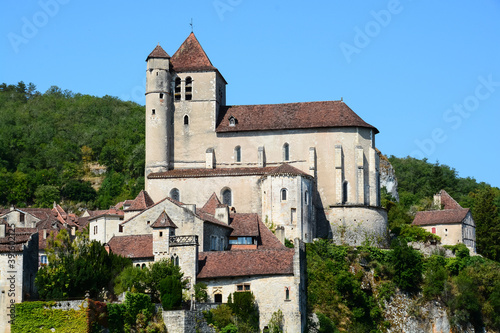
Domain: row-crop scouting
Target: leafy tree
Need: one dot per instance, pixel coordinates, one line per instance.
(487, 219)
(46, 195)
(76, 266)
(407, 265)
(200, 292)
(246, 311)
(171, 292)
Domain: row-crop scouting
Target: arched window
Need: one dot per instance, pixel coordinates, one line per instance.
(143, 266)
(237, 154)
(174, 194)
(189, 88)
(283, 194)
(186, 120)
(345, 187)
(227, 197)
(287, 293)
(177, 89)
(286, 152)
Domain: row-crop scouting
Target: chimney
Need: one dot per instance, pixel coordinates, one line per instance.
(437, 200)
(222, 213)
(190, 207)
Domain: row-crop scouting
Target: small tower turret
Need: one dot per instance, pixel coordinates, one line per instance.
(158, 111)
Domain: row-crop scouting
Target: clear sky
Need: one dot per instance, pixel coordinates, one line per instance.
(425, 73)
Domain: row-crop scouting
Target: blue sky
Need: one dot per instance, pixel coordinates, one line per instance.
(425, 73)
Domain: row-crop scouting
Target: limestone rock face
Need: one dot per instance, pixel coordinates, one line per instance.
(388, 176)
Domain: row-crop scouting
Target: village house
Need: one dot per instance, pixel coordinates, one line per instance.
(449, 221)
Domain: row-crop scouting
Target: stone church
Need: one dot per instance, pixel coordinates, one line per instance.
(308, 169)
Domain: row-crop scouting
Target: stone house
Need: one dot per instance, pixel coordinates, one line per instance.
(450, 221)
(18, 267)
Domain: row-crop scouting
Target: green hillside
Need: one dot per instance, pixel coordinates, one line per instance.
(53, 145)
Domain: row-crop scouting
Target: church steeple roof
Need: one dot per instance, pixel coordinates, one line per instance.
(158, 52)
(191, 57)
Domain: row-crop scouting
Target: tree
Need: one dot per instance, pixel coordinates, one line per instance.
(407, 266)
(76, 266)
(485, 214)
(171, 292)
(46, 195)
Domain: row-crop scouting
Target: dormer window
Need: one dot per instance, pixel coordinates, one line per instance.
(177, 89)
(232, 121)
(189, 88)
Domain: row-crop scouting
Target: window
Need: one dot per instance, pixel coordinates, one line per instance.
(174, 194)
(161, 95)
(138, 265)
(283, 194)
(153, 112)
(241, 241)
(433, 230)
(177, 89)
(218, 298)
(243, 287)
(306, 197)
(189, 89)
(186, 120)
(221, 244)
(143, 266)
(237, 154)
(175, 259)
(21, 217)
(287, 293)
(232, 121)
(95, 230)
(213, 243)
(286, 152)
(227, 197)
(161, 233)
(344, 192)
(43, 260)
(120, 228)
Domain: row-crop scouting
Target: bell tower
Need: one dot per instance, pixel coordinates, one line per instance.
(158, 111)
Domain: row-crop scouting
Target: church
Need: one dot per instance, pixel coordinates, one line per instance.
(308, 169)
(229, 189)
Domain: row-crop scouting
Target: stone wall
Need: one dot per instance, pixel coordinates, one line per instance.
(355, 225)
(183, 321)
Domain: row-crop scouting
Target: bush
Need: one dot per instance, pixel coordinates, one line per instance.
(200, 292)
(171, 292)
(435, 277)
(407, 266)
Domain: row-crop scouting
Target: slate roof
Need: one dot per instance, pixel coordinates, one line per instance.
(218, 264)
(163, 221)
(141, 202)
(446, 216)
(135, 246)
(191, 57)
(158, 52)
(288, 116)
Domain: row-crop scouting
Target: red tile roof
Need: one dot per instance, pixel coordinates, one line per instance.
(446, 216)
(287, 170)
(284, 169)
(289, 116)
(244, 225)
(163, 221)
(158, 52)
(16, 243)
(136, 246)
(219, 264)
(191, 57)
(141, 202)
(448, 202)
(212, 203)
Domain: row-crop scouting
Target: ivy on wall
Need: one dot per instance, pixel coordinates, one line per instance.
(41, 318)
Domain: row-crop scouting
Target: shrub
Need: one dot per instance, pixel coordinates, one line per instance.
(171, 292)
(407, 266)
(200, 292)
